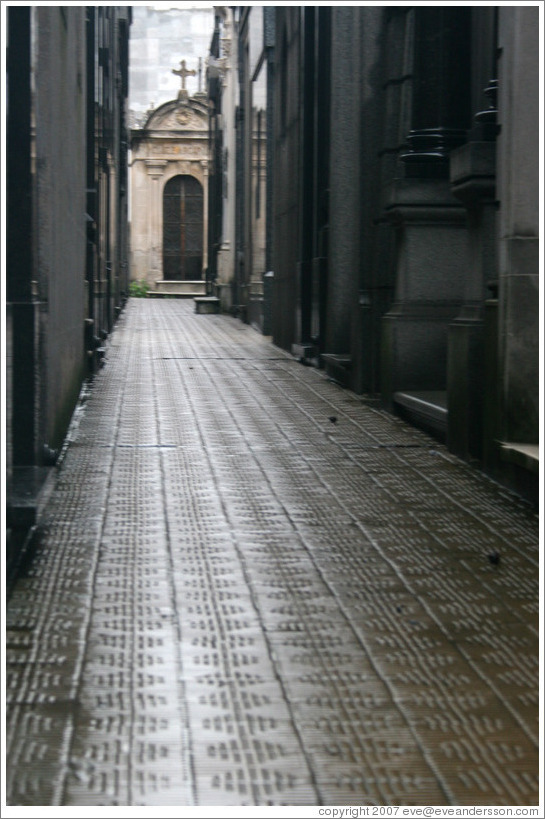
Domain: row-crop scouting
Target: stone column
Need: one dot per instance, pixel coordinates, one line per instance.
(473, 177)
(440, 104)
(155, 169)
(518, 192)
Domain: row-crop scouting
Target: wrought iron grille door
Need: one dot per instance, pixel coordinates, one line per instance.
(182, 229)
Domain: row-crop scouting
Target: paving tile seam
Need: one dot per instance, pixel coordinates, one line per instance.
(225, 512)
(215, 358)
(325, 668)
(131, 781)
(429, 531)
(219, 334)
(185, 763)
(107, 376)
(427, 443)
(174, 602)
(425, 754)
(261, 557)
(53, 569)
(395, 451)
(515, 714)
(385, 489)
(529, 733)
(233, 693)
(349, 457)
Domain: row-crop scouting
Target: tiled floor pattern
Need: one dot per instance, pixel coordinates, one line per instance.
(239, 601)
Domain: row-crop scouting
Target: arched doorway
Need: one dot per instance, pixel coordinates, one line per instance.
(182, 229)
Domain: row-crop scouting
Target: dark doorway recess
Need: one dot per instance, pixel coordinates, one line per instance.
(182, 229)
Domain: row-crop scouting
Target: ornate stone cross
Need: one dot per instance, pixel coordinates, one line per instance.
(184, 72)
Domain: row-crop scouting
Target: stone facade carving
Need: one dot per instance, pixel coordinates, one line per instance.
(155, 167)
(167, 148)
(182, 118)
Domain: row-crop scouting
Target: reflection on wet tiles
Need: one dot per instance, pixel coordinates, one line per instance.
(241, 603)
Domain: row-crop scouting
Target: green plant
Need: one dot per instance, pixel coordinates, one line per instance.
(138, 289)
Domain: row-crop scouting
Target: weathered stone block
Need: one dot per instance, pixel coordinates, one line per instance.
(207, 304)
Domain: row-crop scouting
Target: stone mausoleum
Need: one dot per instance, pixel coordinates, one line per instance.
(169, 194)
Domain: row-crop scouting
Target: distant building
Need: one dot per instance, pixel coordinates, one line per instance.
(160, 38)
(169, 162)
(169, 196)
(67, 272)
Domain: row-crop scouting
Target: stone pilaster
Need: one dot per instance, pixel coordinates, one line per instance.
(519, 220)
(205, 170)
(155, 169)
(473, 177)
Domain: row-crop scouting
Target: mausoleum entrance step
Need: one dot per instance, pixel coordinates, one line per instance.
(424, 408)
(338, 366)
(28, 489)
(525, 455)
(207, 304)
(178, 288)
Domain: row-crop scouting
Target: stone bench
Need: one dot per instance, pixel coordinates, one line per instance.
(178, 289)
(207, 304)
(426, 409)
(524, 455)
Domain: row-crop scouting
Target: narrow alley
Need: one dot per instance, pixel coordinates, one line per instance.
(253, 587)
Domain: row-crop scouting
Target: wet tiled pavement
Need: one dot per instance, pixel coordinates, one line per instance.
(255, 588)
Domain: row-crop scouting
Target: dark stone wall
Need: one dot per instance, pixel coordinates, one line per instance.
(107, 147)
(519, 273)
(346, 160)
(424, 234)
(384, 111)
(66, 232)
(286, 179)
(342, 111)
(21, 308)
(60, 200)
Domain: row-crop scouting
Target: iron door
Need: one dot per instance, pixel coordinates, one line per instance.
(182, 229)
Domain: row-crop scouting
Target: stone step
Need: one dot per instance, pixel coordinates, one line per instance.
(426, 409)
(28, 491)
(207, 304)
(26, 487)
(178, 289)
(524, 455)
(338, 367)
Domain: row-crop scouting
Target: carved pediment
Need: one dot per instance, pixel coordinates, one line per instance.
(182, 119)
(177, 116)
